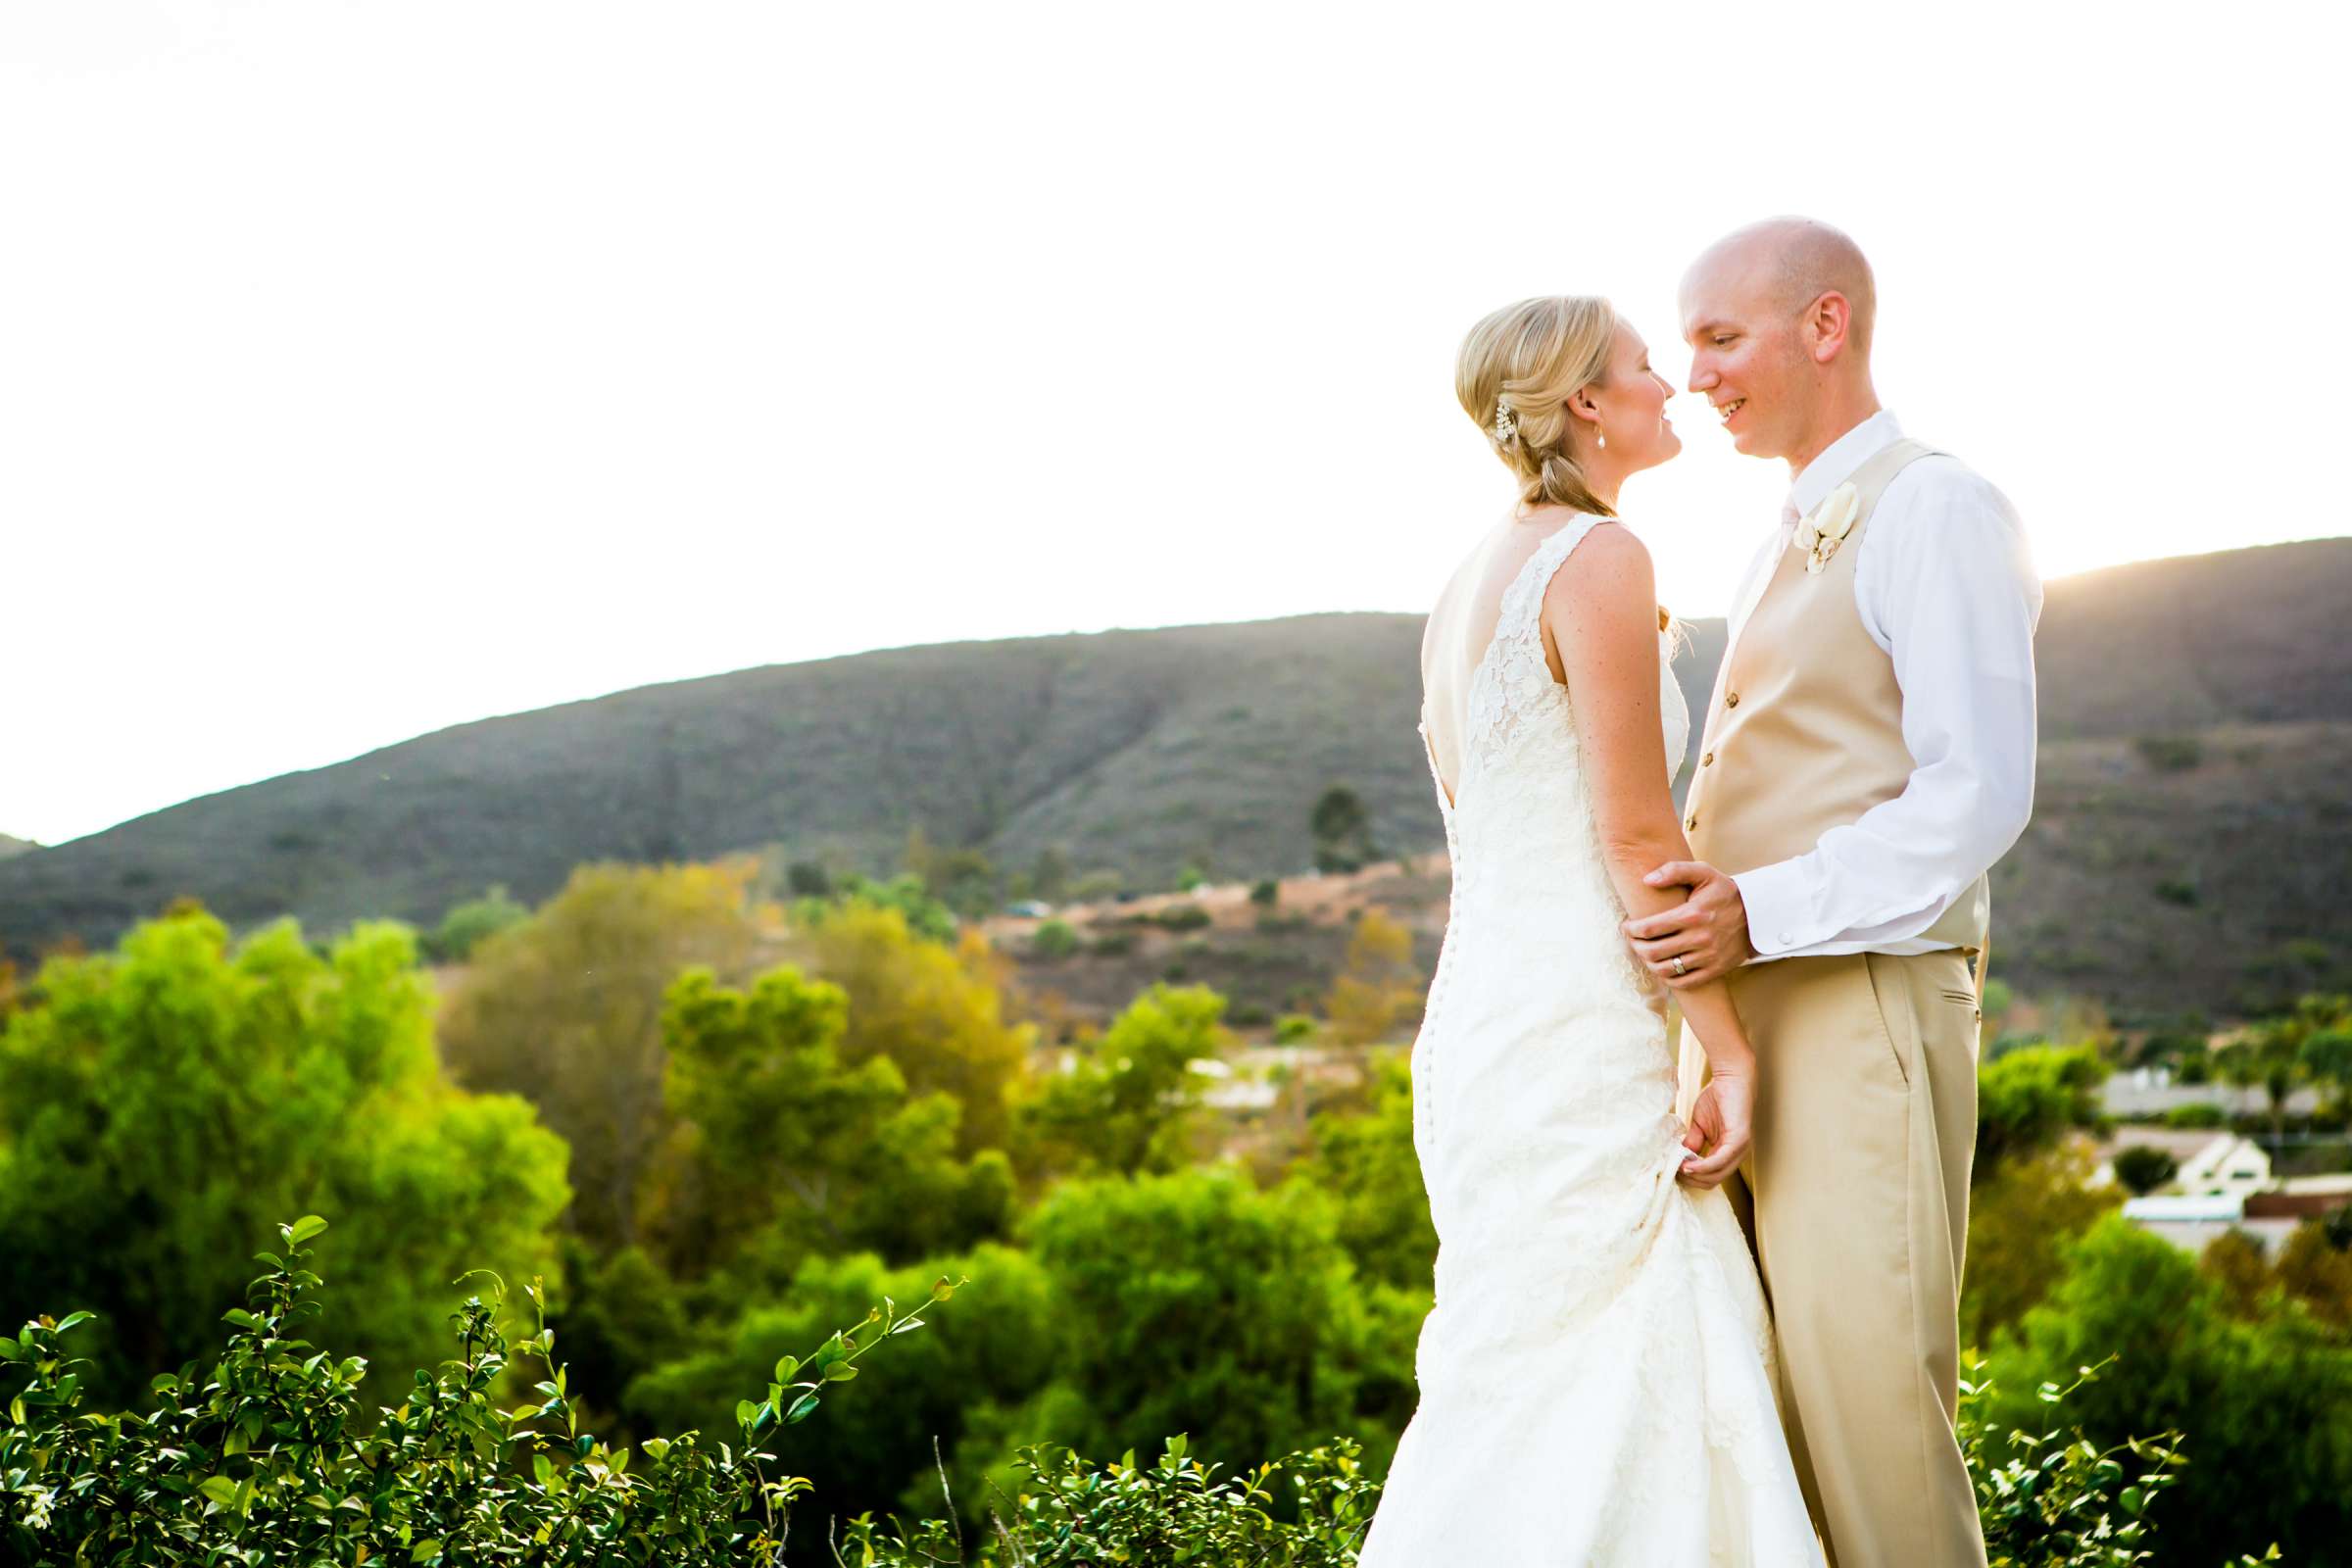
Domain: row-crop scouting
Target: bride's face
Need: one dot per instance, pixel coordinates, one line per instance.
(1631, 402)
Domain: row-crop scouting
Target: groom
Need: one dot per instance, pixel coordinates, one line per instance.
(1868, 755)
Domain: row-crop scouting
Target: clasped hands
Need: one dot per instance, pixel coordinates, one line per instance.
(1701, 938)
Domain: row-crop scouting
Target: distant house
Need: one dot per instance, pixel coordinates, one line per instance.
(2227, 1185)
(2230, 1166)
(2189, 1222)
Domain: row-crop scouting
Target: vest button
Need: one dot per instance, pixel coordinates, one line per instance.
(1692, 825)
(1707, 761)
(1731, 700)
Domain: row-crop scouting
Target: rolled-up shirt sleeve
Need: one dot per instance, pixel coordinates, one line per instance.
(1951, 593)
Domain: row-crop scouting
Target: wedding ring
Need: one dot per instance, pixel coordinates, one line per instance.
(1679, 967)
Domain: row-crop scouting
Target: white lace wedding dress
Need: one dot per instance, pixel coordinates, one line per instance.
(1596, 1375)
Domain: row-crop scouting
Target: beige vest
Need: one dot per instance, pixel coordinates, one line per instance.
(1805, 732)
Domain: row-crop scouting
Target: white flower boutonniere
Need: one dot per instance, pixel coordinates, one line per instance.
(1820, 534)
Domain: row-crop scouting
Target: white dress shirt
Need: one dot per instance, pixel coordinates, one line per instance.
(1946, 586)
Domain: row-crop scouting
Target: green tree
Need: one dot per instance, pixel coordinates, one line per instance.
(161, 1105)
(2144, 1167)
(876, 1452)
(1129, 1104)
(2266, 1404)
(779, 1137)
(2315, 1267)
(467, 925)
(566, 1009)
(1341, 829)
(1367, 1165)
(2020, 1219)
(2029, 1098)
(1053, 939)
(2327, 1059)
(1380, 984)
(2272, 1055)
(936, 1011)
(1194, 1303)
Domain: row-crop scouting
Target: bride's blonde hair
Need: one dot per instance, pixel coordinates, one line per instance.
(1515, 374)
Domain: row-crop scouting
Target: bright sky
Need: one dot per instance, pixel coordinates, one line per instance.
(369, 368)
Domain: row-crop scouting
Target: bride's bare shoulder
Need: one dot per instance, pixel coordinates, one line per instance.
(1608, 564)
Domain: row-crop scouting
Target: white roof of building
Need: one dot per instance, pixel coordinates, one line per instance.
(2226, 1152)
(2175, 1209)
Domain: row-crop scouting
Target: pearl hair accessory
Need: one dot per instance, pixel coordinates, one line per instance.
(1505, 425)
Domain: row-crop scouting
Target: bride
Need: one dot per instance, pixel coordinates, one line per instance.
(1596, 1377)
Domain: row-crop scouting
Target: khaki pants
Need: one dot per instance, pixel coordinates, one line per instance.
(1866, 1121)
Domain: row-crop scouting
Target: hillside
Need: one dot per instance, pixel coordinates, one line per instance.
(1144, 751)
(13, 847)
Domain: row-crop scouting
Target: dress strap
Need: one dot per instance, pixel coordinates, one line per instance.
(1522, 608)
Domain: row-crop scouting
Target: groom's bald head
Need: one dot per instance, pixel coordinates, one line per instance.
(1795, 260)
(1779, 318)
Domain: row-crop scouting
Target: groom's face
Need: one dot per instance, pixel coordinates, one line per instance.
(1747, 355)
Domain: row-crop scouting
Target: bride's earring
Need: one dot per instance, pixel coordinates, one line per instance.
(1600, 438)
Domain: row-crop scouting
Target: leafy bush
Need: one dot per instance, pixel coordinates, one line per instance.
(1296, 1029)
(2030, 1097)
(935, 1007)
(1182, 918)
(2053, 1502)
(1265, 893)
(1053, 939)
(877, 1453)
(467, 925)
(162, 1103)
(2020, 1220)
(2143, 1168)
(1193, 1302)
(1367, 1165)
(2200, 1114)
(1070, 1512)
(257, 1456)
(565, 1010)
(1129, 1105)
(2267, 1402)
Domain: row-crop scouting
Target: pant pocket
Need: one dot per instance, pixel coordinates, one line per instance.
(1890, 995)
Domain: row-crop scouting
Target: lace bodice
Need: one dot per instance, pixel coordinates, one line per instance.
(1595, 1376)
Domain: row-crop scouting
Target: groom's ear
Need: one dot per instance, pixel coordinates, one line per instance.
(1828, 326)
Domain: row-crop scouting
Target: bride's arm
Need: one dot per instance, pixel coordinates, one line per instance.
(1601, 616)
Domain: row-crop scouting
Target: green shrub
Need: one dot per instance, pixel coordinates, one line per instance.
(1295, 1028)
(256, 1455)
(2143, 1168)
(466, 926)
(875, 1451)
(2202, 1113)
(2265, 1401)
(1265, 893)
(2048, 1502)
(1183, 917)
(2029, 1097)
(1053, 939)
(162, 1103)
(1179, 1510)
